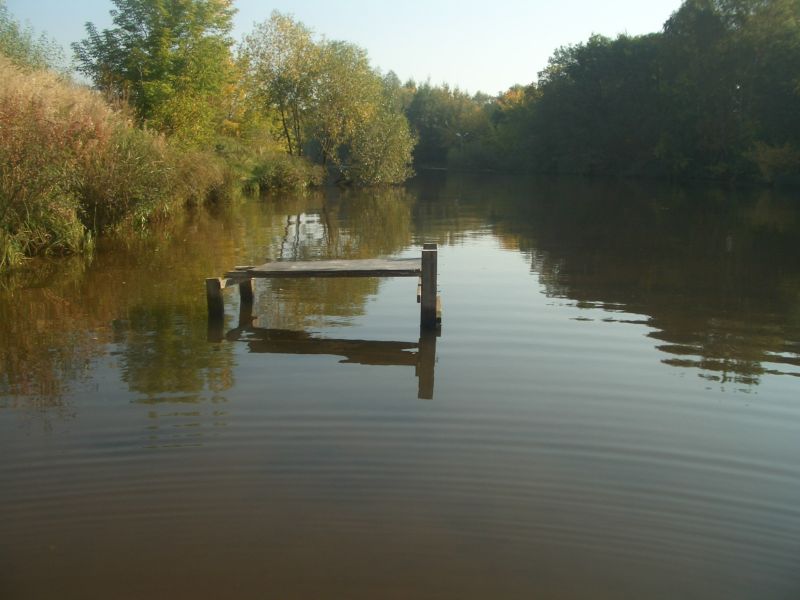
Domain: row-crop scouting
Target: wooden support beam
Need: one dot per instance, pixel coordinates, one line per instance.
(246, 291)
(216, 304)
(426, 364)
(216, 329)
(429, 283)
(246, 303)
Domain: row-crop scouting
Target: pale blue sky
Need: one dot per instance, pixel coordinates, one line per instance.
(486, 46)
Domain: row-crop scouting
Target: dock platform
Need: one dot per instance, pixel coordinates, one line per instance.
(404, 267)
(425, 268)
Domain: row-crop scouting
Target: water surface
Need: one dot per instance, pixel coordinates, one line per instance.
(611, 409)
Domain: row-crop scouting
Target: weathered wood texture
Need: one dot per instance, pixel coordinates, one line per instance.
(406, 267)
(429, 280)
(246, 291)
(426, 364)
(424, 268)
(246, 298)
(216, 303)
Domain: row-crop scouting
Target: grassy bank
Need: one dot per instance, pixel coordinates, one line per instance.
(73, 168)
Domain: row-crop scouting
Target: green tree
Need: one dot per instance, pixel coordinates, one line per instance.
(382, 147)
(599, 107)
(169, 58)
(328, 102)
(446, 120)
(348, 95)
(282, 63)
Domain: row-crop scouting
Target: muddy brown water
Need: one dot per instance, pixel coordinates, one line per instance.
(612, 407)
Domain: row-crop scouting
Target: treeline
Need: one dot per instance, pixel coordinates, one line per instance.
(283, 92)
(181, 114)
(714, 95)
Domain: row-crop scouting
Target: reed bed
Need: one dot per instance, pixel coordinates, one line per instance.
(72, 168)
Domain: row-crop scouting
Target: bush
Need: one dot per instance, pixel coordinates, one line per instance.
(45, 129)
(71, 167)
(126, 178)
(282, 172)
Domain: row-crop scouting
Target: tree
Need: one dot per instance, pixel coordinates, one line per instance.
(282, 64)
(447, 120)
(169, 58)
(348, 95)
(382, 147)
(330, 104)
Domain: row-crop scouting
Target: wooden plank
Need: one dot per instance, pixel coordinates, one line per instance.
(407, 267)
(429, 283)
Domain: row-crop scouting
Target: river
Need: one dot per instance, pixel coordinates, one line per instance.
(610, 410)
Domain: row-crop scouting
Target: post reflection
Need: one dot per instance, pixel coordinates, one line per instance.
(420, 355)
(260, 340)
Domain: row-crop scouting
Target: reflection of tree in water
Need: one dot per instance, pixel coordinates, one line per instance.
(161, 318)
(451, 207)
(139, 293)
(41, 349)
(350, 224)
(141, 296)
(371, 223)
(166, 352)
(716, 277)
(716, 273)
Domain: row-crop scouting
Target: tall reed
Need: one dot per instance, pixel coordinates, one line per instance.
(71, 167)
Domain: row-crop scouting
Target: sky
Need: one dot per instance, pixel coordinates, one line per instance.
(482, 45)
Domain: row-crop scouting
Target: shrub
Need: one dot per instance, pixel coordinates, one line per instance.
(126, 178)
(44, 130)
(71, 167)
(282, 172)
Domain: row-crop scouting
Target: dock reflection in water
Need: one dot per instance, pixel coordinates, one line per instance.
(260, 340)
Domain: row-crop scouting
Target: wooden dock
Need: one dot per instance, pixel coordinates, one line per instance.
(425, 268)
(406, 267)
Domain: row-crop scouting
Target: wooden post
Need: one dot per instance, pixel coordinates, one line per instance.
(216, 309)
(216, 304)
(216, 329)
(246, 291)
(429, 283)
(426, 363)
(246, 303)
